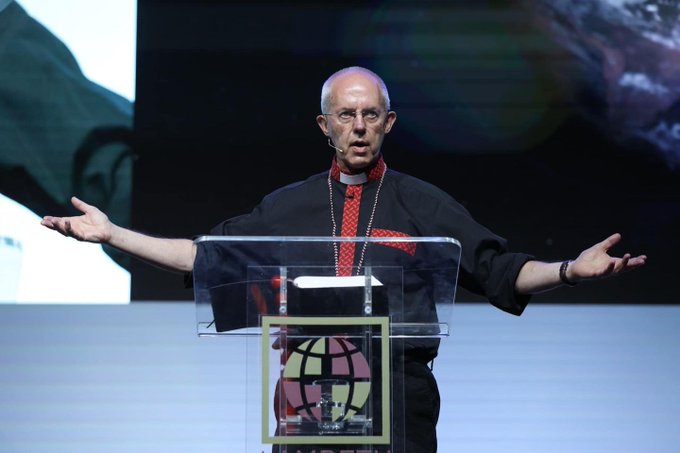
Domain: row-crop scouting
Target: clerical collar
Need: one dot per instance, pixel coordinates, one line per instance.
(372, 174)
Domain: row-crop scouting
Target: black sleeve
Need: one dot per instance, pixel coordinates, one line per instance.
(244, 225)
(487, 267)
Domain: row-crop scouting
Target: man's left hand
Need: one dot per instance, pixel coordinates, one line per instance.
(595, 262)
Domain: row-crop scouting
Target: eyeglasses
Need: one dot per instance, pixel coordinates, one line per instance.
(348, 116)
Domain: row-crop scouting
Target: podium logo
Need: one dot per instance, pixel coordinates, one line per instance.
(327, 380)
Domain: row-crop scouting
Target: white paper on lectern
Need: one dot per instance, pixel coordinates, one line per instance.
(353, 281)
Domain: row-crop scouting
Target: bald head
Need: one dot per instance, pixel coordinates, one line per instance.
(355, 117)
(327, 88)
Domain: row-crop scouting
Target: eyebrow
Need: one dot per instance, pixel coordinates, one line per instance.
(368, 109)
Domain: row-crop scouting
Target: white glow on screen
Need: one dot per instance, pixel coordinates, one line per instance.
(101, 34)
(39, 265)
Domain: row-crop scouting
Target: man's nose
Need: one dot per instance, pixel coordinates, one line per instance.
(358, 122)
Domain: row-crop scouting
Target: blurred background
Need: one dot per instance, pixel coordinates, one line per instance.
(556, 123)
(67, 84)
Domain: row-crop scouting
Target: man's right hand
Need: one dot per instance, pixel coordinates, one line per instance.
(92, 226)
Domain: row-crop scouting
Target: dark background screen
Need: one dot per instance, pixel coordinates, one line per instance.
(555, 125)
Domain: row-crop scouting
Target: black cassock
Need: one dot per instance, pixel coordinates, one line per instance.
(406, 206)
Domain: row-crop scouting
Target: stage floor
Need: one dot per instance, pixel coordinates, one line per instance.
(136, 378)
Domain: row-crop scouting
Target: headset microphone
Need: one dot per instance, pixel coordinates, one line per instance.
(334, 147)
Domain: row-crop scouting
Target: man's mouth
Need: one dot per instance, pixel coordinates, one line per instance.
(359, 145)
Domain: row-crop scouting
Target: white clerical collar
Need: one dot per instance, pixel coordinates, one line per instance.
(373, 173)
(352, 180)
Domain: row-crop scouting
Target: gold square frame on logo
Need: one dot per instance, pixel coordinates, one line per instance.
(381, 321)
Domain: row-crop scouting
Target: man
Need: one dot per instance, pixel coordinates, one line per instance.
(359, 196)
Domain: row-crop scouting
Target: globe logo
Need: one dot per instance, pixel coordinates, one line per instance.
(327, 380)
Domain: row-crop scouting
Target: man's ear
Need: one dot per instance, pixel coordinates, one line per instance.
(389, 122)
(323, 124)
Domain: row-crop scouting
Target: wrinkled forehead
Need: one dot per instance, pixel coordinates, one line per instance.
(356, 89)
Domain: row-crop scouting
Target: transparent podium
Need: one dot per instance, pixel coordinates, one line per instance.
(326, 343)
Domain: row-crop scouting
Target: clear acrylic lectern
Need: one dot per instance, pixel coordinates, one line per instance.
(326, 343)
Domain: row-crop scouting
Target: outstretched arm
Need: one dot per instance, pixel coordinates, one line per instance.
(95, 226)
(592, 264)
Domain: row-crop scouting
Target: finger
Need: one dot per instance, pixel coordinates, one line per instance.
(58, 226)
(610, 242)
(611, 267)
(80, 205)
(642, 258)
(623, 263)
(56, 223)
(637, 261)
(70, 232)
